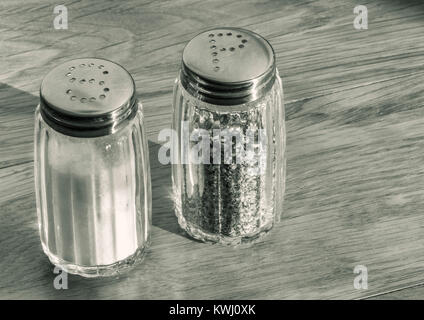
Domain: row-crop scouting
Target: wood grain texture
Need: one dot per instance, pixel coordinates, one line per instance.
(355, 118)
(411, 293)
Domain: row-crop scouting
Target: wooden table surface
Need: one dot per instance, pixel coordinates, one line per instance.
(355, 146)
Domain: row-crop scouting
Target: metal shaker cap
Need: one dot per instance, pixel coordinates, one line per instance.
(88, 97)
(228, 66)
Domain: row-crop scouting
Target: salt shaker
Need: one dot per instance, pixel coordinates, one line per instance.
(229, 137)
(92, 173)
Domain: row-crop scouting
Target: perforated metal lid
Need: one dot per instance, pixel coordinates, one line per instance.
(228, 66)
(88, 97)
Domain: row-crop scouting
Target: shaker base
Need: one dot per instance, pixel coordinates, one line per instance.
(114, 269)
(198, 234)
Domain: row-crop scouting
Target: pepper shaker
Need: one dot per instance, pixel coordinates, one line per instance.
(229, 145)
(92, 170)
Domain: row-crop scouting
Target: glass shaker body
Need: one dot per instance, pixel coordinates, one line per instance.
(228, 197)
(93, 189)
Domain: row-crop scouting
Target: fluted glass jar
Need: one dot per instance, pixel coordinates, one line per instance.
(229, 138)
(92, 169)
